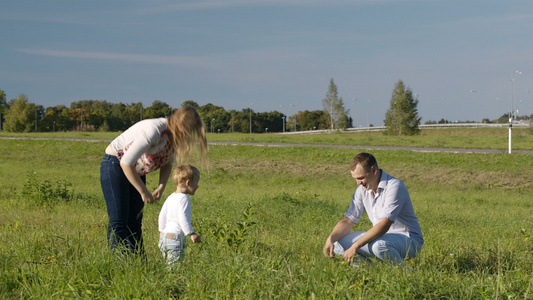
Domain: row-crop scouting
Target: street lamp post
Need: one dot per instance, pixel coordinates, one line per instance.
(510, 134)
(475, 93)
(212, 125)
(514, 91)
(445, 105)
(81, 119)
(250, 117)
(367, 113)
(511, 110)
(282, 116)
(295, 118)
(498, 102)
(354, 119)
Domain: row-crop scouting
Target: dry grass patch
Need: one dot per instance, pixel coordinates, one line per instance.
(278, 167)
(451, 176)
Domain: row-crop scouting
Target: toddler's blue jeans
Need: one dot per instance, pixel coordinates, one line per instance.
(172, 247)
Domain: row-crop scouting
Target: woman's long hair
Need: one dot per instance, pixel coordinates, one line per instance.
(186, 129)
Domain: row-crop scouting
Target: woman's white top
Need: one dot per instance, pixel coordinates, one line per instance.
(145, 145)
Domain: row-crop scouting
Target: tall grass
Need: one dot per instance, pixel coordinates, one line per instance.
(264, 214)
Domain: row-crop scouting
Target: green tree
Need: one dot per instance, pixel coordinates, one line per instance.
(275, 121)
(21, 115)
(190, 103)
(99, 114)
(114, 120)
(3, 107)
(241, 121)
(98, 117)
(504, 118)
(312, 120)
(402, 117)
(531, 123)
(231, 122)
(78, 117)
(158, 109)
(268, 122)
(89, 115)
(334, 107)
(216, 118)
(57, 118)
(132, 114)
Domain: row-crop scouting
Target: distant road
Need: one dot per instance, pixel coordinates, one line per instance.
(451, 150)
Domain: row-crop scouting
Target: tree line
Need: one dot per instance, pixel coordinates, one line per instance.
(21, 115)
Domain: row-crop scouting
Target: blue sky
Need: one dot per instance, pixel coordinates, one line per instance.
(273, 55)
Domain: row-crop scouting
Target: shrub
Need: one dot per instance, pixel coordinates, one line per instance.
(45, 192)
(233, 234)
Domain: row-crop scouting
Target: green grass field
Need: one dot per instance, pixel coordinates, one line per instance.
(475, 211)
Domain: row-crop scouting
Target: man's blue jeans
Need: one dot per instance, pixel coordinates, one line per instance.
(389, 247)
(124, 206)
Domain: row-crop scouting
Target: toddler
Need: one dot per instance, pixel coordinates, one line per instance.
(175, 216)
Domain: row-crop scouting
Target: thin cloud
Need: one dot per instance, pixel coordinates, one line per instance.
(209, 4)
(140, 58)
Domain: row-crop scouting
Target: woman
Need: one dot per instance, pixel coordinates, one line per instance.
(146, 146)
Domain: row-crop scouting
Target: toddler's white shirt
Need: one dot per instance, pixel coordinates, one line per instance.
(175, 215)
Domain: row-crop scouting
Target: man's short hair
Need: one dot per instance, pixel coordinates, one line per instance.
(185, 172)
(366, 160)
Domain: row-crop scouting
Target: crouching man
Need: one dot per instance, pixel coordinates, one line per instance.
(395, 234)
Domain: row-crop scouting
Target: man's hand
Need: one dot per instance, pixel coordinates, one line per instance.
(328, 249)
(342, 228)
(349, 254)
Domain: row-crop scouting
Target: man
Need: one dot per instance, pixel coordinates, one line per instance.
(395, 234)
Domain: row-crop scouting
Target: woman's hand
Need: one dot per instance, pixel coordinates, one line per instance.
(148, 198)
(164, 174)
(135, 180)
(158, 192)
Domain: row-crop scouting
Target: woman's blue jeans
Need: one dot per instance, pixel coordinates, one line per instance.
(124, 207)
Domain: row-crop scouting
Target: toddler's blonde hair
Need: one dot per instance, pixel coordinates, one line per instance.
(185, 172)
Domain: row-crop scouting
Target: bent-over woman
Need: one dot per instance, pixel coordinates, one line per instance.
(147, 146)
